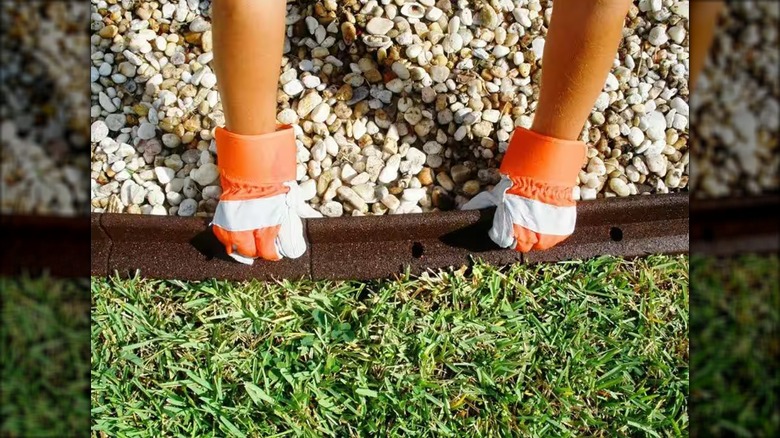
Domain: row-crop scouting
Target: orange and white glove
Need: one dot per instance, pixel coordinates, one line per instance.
(535, 209)
(260, 210)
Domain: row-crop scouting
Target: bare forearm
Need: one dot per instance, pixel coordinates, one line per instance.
(248, 44)
(581, 43)
(705, 17)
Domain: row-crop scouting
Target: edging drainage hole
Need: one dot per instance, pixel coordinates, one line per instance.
(616, 234)
(417, 250)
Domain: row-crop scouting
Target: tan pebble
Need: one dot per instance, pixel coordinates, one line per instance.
(361, 108)
(471, 187)
(207, 41)
(425, 176)
(141, 110)
(373, 76)
(109, 32)
(193, 37)
(443, 178)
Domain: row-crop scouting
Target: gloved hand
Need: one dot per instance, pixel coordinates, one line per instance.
(260, 210)
(535, 208)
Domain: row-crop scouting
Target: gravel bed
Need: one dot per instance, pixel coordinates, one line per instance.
(44, 124)
(737, 105)
(399, 106)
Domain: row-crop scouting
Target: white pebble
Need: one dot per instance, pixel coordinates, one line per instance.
(206, 174)
(612, 83)
(379, 26)
(391, 202)
(677, 33)
(619, 187)
(358, 129)
(500, 51)
(293, 88)
(115, 122)
(413, 195)
(208, 80)
(188, 207)
(656, 163)
(657, 36)
(164, 174)
(320, 113)
(390, 171)
(171, 140)
(332, 209)
(146, 131)
(680, 105)
(439, 73)
(588, 193)
(311, 81)
(491, 115)
(636, 136)
(99, 131)
(155, 197)
(106, 103)
(348, 194)
(656, 126)
(287, 117)
(537, 46)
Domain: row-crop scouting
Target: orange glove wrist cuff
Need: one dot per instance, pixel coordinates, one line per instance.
(257, 159)
(544, 159)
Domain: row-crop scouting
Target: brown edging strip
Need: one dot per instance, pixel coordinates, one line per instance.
(376, 247)
(339, 248)
(59, 246)
(362, 248)
(723, 227)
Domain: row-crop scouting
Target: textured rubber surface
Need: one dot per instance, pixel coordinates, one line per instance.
(723, 227)
(376, 247)
(627, 227)
(370, 247)
(338, 248)
(101, 248)
(183, 249)
(59, 246)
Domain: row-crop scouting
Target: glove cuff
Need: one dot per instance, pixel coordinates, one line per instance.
(255, 160)
(544, 159)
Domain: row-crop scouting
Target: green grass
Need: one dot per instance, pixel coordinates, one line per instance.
(45, 351)
(596, 348)
(735, 383)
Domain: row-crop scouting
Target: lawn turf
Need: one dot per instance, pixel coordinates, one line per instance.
(596, 348)
(735, 346)
(45, 357)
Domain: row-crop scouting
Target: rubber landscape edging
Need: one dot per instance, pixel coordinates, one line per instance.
(372, 247)
(339, 248)
(369, 247)
(724, 227)
(57, 245)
